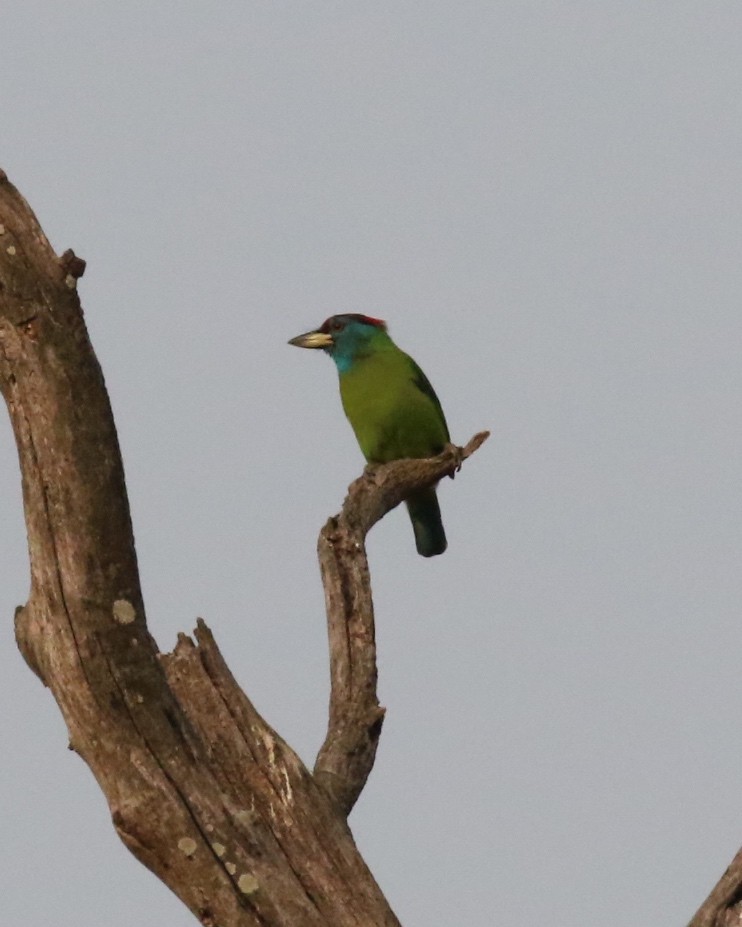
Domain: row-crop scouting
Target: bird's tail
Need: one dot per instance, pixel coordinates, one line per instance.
(425, 515)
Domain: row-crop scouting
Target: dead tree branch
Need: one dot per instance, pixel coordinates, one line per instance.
(723, 907)
(200, 788)
(347, 755)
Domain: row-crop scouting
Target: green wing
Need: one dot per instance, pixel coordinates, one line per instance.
(393, 408)
(425, 386)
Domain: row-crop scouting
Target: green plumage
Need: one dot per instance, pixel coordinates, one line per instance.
(391, 406)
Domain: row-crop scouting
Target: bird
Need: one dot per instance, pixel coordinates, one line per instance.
(390, 405)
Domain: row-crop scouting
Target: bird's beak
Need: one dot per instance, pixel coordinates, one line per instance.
(312, 340)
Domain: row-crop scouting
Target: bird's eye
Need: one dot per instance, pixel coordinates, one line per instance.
(337, 326)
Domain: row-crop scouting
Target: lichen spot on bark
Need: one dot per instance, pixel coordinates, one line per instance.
(11, 250)
(123, 611)
(247, 884)
(70, 281)
(231, 868)
(187, 846)
(219, 848)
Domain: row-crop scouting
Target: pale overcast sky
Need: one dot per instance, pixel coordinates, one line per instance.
(543, 200)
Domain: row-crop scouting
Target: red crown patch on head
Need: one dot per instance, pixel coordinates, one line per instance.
(328, 324)
(370, 320)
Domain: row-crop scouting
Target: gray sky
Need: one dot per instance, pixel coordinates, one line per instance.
(543, 200)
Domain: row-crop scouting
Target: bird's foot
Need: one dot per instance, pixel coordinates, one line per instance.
(458, 457)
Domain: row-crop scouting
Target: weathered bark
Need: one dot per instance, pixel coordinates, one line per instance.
(200, 788)
(723, 907)
(347, 755)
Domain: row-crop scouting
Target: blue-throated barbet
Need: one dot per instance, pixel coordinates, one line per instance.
(391, 405)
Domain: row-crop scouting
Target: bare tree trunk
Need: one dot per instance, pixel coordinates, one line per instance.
(200, 788)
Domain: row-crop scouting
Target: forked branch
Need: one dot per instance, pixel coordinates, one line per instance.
(200, 788)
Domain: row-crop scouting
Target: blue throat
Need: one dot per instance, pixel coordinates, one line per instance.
(342, 361)
(356, 341)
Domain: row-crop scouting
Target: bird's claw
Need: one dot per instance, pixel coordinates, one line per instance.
(458, 458)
